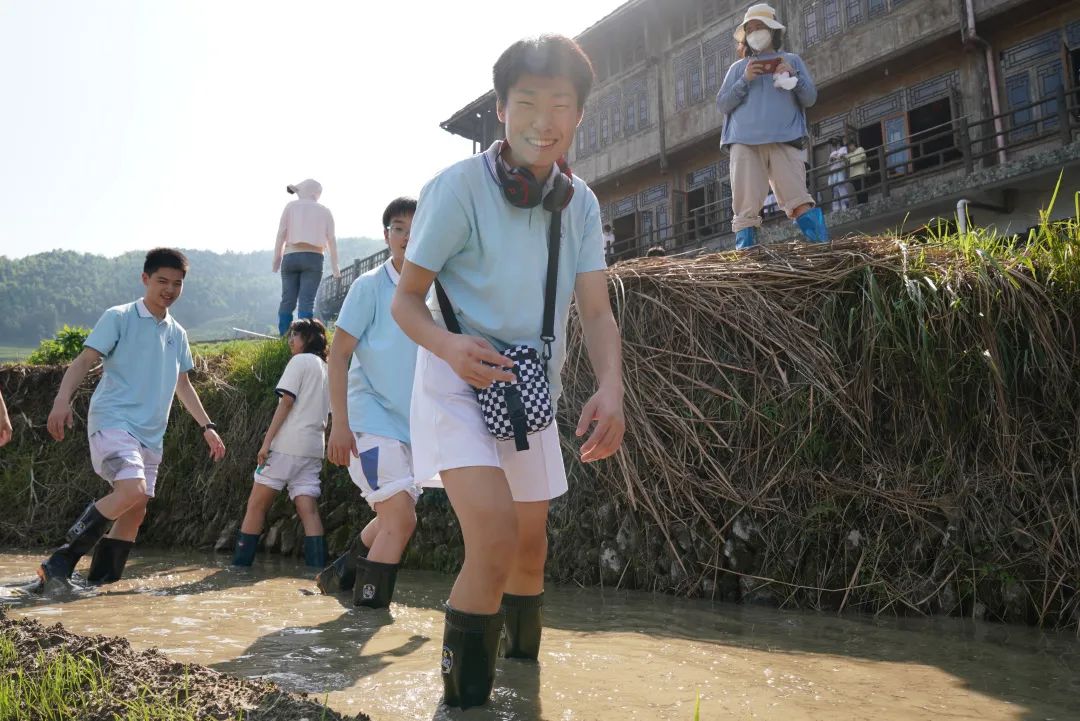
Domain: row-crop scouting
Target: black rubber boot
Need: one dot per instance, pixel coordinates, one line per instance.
(110, 557)
(341, 574)
(470, 648)
(374, 583)
(81, 537)
(523, 625)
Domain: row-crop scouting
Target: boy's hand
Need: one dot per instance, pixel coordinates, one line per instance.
(260, 457)
(784, 67)
(476, 362)
(60, 417)
(341, 448)
(217, 447)
(5, 429)
(606, 409)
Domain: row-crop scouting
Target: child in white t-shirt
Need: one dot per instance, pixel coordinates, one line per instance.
(292, 451)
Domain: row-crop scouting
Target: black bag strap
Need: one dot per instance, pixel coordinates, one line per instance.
(547, 332)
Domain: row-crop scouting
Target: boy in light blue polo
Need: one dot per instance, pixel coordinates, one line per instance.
(370, 430)
(145, 357)
(482, 226)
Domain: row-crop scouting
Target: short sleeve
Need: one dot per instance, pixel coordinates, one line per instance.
(441, 226)
(186, 361)
(358, 309)
(591, 254)
(292, 379)
(106, 333)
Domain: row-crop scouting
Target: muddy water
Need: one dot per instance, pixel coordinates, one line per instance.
(606, 654)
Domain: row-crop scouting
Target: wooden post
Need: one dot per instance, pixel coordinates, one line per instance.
(884, 170)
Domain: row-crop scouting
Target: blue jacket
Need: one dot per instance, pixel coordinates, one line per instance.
(758, 113)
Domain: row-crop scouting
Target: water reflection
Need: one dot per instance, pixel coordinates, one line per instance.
(605, 655)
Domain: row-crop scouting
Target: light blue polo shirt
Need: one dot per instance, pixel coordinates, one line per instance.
(384, 360)
(491, 257)
(143, 357)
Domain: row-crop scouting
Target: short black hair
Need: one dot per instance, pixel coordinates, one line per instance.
(548, 55)
(398, 206)
(313, 333)
(607, 226)
(159, 258)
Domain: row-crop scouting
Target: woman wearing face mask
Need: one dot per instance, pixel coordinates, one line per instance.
(764, 98)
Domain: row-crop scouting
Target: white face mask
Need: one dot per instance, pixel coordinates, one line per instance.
(759, 40)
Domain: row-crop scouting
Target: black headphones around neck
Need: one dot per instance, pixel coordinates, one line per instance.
(523, 190)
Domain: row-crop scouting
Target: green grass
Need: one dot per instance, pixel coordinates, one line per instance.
(67, 686)
(12, 353)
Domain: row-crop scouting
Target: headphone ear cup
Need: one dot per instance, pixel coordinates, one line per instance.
(562, 192)
(519, 186)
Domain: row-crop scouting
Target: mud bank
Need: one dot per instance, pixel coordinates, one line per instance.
(112, 680)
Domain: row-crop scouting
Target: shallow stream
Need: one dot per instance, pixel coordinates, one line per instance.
(606, 654)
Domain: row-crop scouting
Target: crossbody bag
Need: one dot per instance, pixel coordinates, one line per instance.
(514, 411)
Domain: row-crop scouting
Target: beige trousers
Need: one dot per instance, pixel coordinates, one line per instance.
(755, 169)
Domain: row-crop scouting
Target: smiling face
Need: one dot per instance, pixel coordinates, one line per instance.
(163, 288)
(540, 116)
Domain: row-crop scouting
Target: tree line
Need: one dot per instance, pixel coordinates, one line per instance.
(41, 293)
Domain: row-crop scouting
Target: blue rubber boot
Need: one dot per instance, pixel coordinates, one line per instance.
(746, 238)
(284, 320)
(246, 546)
(315, 551)
(812, 225)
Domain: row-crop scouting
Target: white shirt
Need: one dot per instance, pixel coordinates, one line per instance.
(609, 240)
(304, 431)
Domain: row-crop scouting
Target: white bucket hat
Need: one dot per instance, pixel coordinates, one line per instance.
(763, 12)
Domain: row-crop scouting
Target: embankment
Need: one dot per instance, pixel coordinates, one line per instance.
(873, 425)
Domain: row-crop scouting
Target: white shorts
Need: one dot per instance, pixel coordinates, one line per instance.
(117, 456)
(448, 431)
(384, 468)
(300, 474)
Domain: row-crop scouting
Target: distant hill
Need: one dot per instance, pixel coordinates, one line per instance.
(40, 293)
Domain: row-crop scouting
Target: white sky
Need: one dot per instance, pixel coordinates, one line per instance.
(132, 123)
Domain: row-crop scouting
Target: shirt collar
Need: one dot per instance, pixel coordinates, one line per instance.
(144, 312)
(491, 156)
(390, 271)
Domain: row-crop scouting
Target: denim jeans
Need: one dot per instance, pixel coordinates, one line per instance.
(300, 277)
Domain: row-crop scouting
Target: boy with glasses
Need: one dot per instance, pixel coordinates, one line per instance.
(370, 429)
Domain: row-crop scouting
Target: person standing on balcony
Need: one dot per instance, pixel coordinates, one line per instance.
(609, 242)
(306, 231)
(764, 99)
(856, 159)
(838, 175)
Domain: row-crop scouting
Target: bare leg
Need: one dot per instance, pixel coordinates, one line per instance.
(308, 509)
(396, 523)
(126, 527)
(125, 494)
(481, 499)
(367, 536)
(527, 576)
(258, 504)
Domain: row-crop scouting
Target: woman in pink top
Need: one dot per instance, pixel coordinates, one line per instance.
(305, 233)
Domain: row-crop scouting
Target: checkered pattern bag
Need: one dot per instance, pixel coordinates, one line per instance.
(513, 411)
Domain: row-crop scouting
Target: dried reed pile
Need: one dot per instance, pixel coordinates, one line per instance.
(878, 424)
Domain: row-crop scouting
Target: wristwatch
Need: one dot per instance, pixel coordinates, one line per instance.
(211, 426)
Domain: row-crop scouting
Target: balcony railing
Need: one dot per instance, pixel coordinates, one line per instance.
(332, 291)
(959, 145)
(954, 146)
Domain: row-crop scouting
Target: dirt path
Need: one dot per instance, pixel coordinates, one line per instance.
(131, 675)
